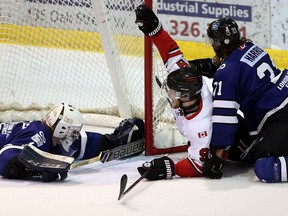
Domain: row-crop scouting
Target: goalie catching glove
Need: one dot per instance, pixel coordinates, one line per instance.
(159, 168)
(147, 21)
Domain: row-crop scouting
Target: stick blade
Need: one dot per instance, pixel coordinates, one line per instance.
(123, 183)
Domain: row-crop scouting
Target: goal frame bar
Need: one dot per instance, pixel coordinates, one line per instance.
(148, 80)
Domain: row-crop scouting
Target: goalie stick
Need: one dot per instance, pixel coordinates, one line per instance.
(39, 160)
(123, 183)
(120, 152)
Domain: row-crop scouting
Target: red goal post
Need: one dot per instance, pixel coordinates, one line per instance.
(150, 71)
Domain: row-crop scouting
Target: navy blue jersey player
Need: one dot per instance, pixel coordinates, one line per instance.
(248, 81)
(60, 133)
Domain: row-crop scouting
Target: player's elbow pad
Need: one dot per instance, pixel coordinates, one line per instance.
(271, 169)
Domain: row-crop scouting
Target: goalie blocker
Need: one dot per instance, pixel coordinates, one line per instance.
(48, 166)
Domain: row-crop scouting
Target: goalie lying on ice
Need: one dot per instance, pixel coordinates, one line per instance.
(60, 134)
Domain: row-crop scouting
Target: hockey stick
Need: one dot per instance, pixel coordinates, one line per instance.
(85, 162)
(120, 152)
(39, 160)
(161, 104)
(123, 183)
(160, 85)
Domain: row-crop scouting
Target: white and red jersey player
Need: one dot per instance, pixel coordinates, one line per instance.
(196, 126)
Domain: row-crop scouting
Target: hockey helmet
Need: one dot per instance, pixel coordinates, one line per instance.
(186, 82)
(224, 31)
(65, 121)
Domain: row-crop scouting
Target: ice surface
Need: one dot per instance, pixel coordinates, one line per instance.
(93, 190)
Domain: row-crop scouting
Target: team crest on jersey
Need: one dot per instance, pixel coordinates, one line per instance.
(39, 138)
(202, 134)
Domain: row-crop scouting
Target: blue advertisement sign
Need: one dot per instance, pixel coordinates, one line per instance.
(205, 9)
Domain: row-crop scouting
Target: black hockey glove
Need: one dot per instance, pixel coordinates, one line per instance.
(213, 166)
(18, 170)
(46, 166)
(206, 66)
(129, 130)
(159, 168)
(147, 21)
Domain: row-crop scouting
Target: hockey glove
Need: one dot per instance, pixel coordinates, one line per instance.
(129, 130)
(159, 168)
(213, 166)
(207, 66)
(147, 21)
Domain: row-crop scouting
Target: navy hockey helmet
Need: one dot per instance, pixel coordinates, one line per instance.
(185, 80)
(224, 31)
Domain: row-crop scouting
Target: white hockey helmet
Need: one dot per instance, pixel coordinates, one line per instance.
(65, 121)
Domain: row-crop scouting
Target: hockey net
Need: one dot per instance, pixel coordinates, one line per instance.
(88, 53)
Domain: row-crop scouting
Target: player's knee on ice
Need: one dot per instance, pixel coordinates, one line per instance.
(271, 169)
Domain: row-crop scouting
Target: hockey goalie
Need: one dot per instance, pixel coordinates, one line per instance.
(45, 149)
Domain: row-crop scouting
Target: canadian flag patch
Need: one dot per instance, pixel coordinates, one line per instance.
(202, 134)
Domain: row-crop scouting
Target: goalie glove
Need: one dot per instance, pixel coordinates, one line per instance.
(147, 21)
(49, 167)
(207, 66)
(159, 168)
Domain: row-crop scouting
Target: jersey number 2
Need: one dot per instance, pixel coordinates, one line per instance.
(262, 70)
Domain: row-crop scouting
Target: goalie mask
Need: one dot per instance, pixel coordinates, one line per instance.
(184, 86)
(65, 122)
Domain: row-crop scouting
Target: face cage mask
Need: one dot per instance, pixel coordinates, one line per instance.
(73, 132)
(169, 93)
(66, 144)
(177, 95)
